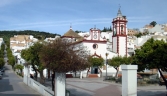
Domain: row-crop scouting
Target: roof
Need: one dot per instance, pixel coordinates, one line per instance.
(119, 14)
(159, 36)
(18, 51)
(20, 38)
(12, 39)
(71, 33)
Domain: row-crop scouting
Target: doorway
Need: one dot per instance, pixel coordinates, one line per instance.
(94, 70)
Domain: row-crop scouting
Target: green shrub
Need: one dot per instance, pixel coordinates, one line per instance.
(118, 80)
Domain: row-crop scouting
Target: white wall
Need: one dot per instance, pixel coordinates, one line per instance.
(114, 44)
(157, 28)
(99, 51)
(122, 46)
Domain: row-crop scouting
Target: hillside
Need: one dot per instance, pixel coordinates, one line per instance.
(37, 34)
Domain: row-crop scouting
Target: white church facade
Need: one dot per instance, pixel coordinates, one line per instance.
(98, 45)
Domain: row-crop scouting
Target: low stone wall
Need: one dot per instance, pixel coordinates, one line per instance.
(39, 87)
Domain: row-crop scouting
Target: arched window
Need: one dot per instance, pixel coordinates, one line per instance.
(115, 30)
(122, 28)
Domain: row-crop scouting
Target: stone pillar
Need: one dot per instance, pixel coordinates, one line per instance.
(81, 75)
(25, 75)
(60, 84)
(129, 80)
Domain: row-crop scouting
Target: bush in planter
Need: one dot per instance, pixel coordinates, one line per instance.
(154, 81)
(141, 83)
(112, 78)
(68, 93)
(118, 80)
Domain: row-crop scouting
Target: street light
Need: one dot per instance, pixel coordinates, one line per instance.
(106, 65)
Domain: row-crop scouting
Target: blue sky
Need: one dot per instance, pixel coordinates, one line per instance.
(55, 16)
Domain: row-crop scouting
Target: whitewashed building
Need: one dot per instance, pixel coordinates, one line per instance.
(1, 41)
(101, 43)
(20, 42)
(157, 28)
(51, 39)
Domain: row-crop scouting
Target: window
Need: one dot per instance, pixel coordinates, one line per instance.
(122, 27)
(115, 30)
(95, 46)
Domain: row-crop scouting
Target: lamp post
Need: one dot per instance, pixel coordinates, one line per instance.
(106, 65)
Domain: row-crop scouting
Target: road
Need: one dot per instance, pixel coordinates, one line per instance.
(12, 85)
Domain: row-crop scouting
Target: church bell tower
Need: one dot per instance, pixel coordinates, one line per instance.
(119, 38)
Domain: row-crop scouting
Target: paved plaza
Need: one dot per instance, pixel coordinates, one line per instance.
(92, 87)
(98, 87)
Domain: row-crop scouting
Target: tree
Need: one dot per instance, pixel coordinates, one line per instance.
(63, 56)
(3, 48)
(105, 29)
(37, 34)
(138, 34)
(96, 62)
(65, 53)
(151, 55)
(31, 55)
(19, 67)
(117, 61)
(77, 31)
(2, 62)
(153, 23)
(110, 29)
(11, 58)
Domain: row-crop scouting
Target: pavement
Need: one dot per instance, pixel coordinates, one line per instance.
(12, 85)
(92, 87)
(98, 87)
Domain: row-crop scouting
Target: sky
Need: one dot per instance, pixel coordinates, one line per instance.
(56, 16)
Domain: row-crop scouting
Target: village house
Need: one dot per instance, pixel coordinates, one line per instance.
(20, 42)
(132, 32)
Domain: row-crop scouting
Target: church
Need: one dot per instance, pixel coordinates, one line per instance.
(103, 46)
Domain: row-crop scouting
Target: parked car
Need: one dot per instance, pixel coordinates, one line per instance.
(2, 70)
(1, 73)
(0, 76)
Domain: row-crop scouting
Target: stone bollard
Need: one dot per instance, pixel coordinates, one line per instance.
(60, 84)
(81, 75)
(129, 80)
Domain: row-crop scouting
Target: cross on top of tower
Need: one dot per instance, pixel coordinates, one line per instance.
(70, 26)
